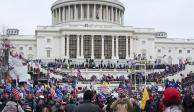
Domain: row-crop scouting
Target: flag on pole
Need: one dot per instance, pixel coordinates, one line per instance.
(122, 91)
(29, 88)
(8, 87)
(59, 94)
(52, 92)
(16, 94)
(145, 98)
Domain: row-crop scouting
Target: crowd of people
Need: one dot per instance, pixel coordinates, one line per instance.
(92, 64)
(50, 97)
(169, 71)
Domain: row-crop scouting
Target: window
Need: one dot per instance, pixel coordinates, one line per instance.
(159, 50)
(180, 51)
(30, 48)
(169, 51)
(21, 48)
(122, 47)
(97, 47)
(48, 40)
(188, 51)
(48, 53)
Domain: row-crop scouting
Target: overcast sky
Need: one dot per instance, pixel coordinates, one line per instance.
(176, 17)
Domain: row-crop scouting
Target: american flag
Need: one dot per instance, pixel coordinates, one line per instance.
(16, 93)
(52, 92)
(122, 91)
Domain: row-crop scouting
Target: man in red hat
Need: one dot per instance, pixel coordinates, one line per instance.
(172, 100)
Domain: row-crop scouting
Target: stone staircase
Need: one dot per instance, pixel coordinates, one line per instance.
(177, 76)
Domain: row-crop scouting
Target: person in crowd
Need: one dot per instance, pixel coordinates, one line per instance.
(188, 103)
(45, 108)
(56, 106)
(122, 104)
(12, 106)
(109, 102)
(71, 106)
(87, 105)
(172, 100)
(135, 106)
(99, 102)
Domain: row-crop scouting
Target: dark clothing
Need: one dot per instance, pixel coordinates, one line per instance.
(70, 107)
(2, 105)
(88, 106)
(188, 103)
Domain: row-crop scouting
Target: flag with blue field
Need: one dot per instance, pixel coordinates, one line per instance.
(59, 94)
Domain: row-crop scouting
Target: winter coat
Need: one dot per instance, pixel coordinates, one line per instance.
(70, 107)
(122, 105)
(87, 106)
(12, 106)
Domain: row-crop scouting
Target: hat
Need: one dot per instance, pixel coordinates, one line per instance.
(172, 95)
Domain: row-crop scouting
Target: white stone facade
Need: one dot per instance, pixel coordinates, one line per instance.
(94, 29)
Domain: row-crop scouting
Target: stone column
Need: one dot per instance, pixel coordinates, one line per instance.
(82, 46)
(122, 17)
(131, 47)
(67, 46)
(94, 14)
(116, 15)
(53, 17)
(62, 47)
(112, 14)
(92, 46)
(75, 12)
(107, 15)
(77, 47)
(119, 17)
(59, 15)
(69, 13)
(127, 49)
(88, 11)
(100, 12)
(113, 48)
(63, 14)
(82, 14)
(102, 57)
(117, 47)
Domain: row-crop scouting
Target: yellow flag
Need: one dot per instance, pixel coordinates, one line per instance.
(145, 98)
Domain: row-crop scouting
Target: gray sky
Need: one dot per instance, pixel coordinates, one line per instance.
(176, 17)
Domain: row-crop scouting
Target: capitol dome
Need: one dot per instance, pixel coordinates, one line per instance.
(84, 11)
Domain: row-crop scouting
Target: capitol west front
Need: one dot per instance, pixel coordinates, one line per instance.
(94, 29)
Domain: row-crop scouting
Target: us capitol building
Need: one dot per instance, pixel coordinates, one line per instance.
(94, 29)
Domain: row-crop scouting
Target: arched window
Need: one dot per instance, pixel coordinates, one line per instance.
(21, 48)
(180, 51)
(159, 50)
(48, 40)
(30, 48)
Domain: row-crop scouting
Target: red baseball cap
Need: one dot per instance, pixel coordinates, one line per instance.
(172, 95)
